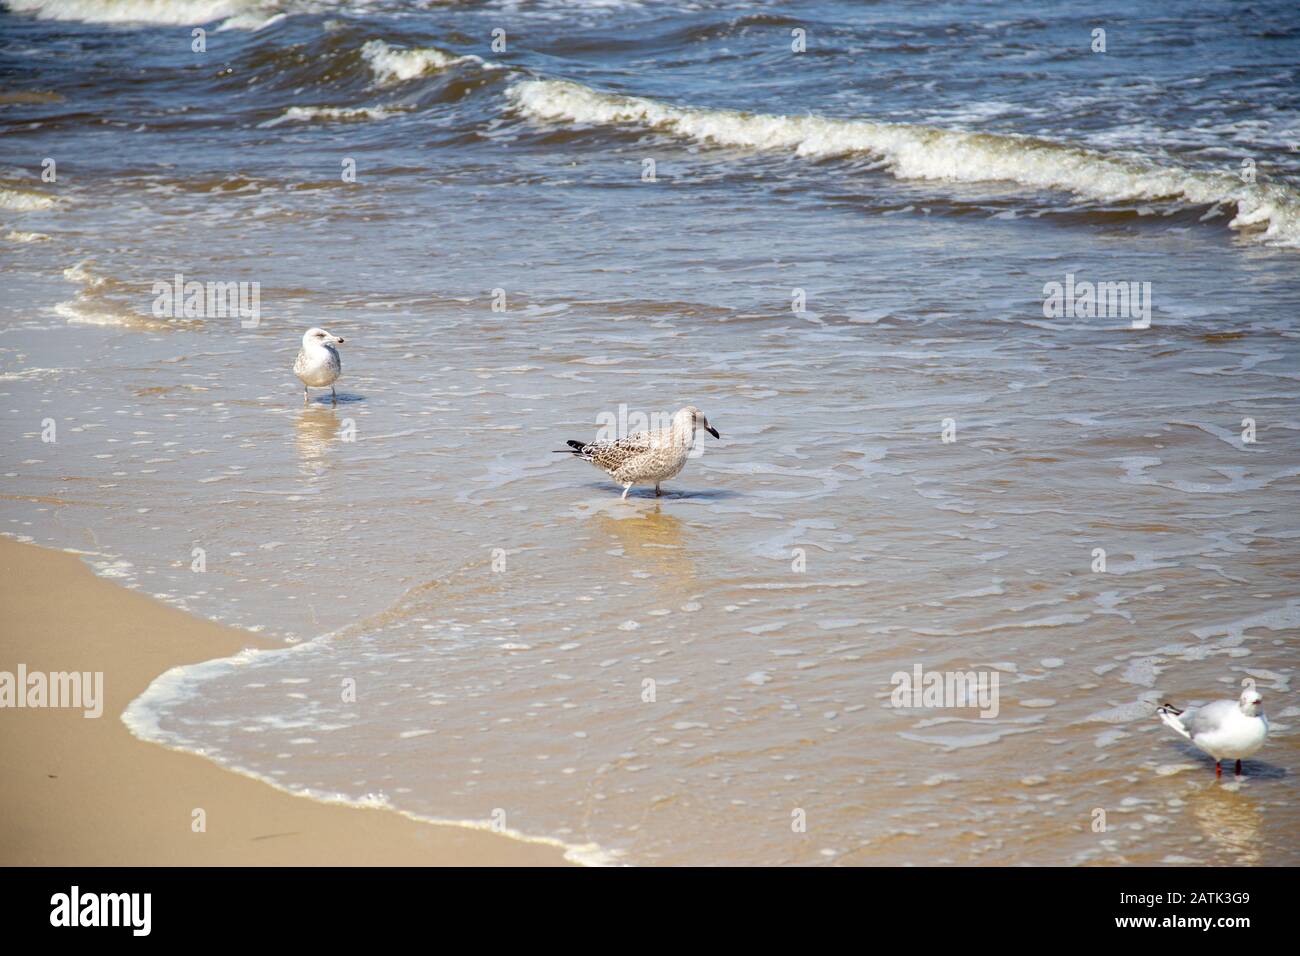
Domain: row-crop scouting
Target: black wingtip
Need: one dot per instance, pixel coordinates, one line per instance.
(576, 445)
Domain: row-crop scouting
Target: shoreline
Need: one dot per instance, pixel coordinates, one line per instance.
(81, 791)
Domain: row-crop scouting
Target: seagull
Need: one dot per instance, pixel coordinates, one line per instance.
(644, 458)
(1224, 729)
(318, 364)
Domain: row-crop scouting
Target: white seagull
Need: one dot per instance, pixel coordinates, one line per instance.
(318, 364)
(645, 458)
(1224, 729)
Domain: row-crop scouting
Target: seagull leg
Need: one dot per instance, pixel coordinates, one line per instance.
(334, 399)
(1238, 768)
(626, 489)
(657, 491)
(304, 395)
(1218, 769)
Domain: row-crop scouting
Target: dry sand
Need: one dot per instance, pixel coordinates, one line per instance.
(78, 791)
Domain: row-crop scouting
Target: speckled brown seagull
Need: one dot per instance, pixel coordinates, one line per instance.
(646, 458)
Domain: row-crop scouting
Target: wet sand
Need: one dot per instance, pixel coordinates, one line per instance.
(79, 791)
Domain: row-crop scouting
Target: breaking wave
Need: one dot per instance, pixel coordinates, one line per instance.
(394, 65)
(235, 14)
(24, 200)
(1269, 212)
(331, 114)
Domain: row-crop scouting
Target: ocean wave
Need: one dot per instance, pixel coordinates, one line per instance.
(143, 717)
(1269, 212)
(395, 65)
(24, 200)
(306, 114)
(238, 14)
(107, 301)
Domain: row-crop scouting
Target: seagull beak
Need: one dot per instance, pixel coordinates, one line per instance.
(338, 339)
(712, 431)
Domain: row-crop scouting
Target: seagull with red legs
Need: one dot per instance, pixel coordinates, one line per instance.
(1224, 729)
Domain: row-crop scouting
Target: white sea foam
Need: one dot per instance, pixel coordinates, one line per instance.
(395, 65)
(1271, 211)
(167, 12)
(251, 21)
(81, 274)
(96, 304)
(249, 15)
(142, 718)
(75, 313)
(29, 374)
(1284, 617)
(307, 114)
(24, 200)
(86, 308)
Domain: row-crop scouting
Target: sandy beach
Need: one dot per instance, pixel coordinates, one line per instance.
(85, 792)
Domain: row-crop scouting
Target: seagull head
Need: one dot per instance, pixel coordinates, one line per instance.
(317, 338)
(1252, 704)
(690, 418)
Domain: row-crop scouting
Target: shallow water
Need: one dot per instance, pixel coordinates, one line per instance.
(497, 610)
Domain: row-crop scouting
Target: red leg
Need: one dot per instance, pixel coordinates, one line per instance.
(1238, 768)
(1218, 769)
